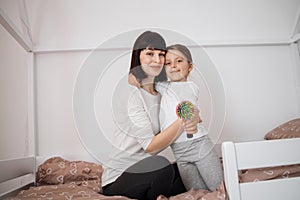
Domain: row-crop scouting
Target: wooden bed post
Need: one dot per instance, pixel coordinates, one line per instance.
(230, 170)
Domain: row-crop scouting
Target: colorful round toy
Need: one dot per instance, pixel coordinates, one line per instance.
(185, 110)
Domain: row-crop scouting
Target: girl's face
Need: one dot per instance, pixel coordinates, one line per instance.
(177, 66)
(152, 61)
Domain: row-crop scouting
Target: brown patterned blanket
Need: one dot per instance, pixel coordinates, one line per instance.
(61, 179)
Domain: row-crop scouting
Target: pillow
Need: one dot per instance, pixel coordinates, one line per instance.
(57, 170)
(290, 129)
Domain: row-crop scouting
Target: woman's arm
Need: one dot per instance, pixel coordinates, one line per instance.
(132, 80)
(170, 134)
(165, 138)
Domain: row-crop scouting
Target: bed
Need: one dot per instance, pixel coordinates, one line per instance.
(267, 169)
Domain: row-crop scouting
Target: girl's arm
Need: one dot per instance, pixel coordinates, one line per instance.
(191, 126)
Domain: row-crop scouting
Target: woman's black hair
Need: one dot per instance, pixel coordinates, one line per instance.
(151, 40)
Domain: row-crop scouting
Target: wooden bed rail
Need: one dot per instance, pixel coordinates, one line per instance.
(260, 154)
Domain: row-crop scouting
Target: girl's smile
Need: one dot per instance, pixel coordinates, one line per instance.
(177, 66)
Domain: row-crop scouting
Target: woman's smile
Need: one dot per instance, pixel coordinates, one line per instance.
(152, 61)
(156, 67)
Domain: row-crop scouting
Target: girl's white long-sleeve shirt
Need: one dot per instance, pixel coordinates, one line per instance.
(173, 93)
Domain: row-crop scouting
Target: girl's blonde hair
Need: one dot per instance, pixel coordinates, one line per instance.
(183, 49)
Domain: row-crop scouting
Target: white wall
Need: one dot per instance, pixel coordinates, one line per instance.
(56, 75)
(12, 9)
(259, 84)
(260, 80)
(15, 139)
(61, 24)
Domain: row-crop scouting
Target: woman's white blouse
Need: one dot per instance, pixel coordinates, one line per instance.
(135, 114)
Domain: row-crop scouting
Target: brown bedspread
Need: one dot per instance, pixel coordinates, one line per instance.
(269, 173)
(62, 192)
(61, 179)
(199, 194)
(74, 192)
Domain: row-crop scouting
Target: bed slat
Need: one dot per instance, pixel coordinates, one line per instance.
(230, 167)
(10, 169)
(13, 185)
(287, 189)
(15, 174)
(267, 153)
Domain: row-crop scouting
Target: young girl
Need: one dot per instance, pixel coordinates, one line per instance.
(198, 163)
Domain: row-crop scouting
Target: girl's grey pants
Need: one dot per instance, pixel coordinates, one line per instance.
(198, 163)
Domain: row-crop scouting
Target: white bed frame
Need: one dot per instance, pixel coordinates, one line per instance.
(16, 174)
(267, 153)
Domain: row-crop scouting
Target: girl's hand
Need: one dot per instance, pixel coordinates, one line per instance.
(133, 81)
(191, 126)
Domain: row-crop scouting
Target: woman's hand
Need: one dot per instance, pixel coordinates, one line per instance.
(133, 81)
(191, 126)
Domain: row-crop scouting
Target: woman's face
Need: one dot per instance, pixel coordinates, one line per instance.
(152, 61)
(177, 66)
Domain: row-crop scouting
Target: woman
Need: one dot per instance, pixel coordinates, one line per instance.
(133, 170)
